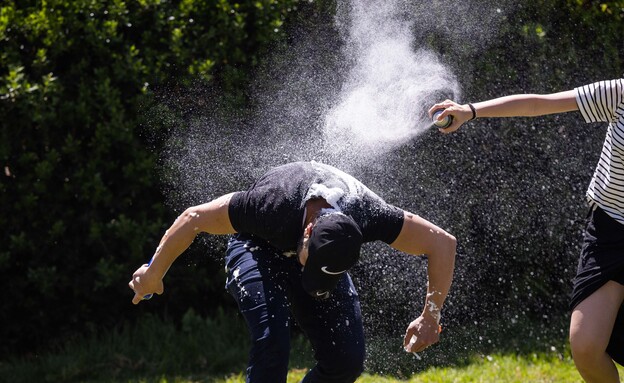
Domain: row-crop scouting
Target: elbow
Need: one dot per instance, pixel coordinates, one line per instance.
(444, 249)
(448, 247)
(190, 213)
(190, 217)
(452, 243)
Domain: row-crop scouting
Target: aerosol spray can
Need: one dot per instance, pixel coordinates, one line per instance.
(443, 123)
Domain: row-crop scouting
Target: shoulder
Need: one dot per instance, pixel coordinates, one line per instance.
(602, 90)
(599, 101)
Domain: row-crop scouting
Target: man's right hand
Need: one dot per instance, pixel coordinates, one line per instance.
(144, 282)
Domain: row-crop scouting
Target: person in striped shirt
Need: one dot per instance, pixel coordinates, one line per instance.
(597, 321)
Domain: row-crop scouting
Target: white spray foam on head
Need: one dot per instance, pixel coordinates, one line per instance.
(331, 195)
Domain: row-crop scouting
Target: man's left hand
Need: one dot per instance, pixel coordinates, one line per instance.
(421, 333)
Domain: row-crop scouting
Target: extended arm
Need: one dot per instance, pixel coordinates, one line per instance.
(419, 236)
(211, 217)
(518, 105)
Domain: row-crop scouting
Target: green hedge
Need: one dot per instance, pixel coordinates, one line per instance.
(80, 197)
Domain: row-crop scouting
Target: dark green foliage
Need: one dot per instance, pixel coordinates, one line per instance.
(150, 348)
(80, 198)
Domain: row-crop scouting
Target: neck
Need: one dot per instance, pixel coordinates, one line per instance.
(313, 206)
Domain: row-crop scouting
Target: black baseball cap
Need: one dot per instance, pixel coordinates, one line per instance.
(334, 248)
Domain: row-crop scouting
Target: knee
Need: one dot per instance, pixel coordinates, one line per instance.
(345, 365)
(353, 363)
(271, 349)
(585, 349)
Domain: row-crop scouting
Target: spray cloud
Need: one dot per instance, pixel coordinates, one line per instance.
(390, 85)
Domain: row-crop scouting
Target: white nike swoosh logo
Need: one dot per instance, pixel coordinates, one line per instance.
(321, 293)
(324, 269)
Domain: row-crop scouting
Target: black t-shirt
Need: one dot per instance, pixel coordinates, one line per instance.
(274, 207)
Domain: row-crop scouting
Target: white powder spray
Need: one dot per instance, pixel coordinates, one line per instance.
(348, 91)
(390, 86)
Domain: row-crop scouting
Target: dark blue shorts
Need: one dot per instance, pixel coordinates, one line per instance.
(267, 287)
(602, 260)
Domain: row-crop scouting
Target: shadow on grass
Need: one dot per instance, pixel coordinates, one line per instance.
(461, 345)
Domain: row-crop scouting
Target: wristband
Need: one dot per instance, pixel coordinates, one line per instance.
(474, 111)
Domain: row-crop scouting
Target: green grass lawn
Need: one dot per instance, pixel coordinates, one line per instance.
(489, 369)
(214, 350)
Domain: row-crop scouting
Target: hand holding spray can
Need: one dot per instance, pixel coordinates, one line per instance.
(443, 123)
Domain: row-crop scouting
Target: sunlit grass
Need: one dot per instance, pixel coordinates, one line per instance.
(489, 369)
(495, 369)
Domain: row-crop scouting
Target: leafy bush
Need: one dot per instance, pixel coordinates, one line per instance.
(80, 199)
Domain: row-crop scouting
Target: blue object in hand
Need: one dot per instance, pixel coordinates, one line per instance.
(148, 296)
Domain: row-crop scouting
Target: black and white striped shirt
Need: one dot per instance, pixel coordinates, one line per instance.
(603, 101)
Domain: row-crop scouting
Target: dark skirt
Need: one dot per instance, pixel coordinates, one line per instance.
(602, 260)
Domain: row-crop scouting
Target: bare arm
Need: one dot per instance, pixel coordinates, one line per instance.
(211, 217)
(419, 236)
(518, 105)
